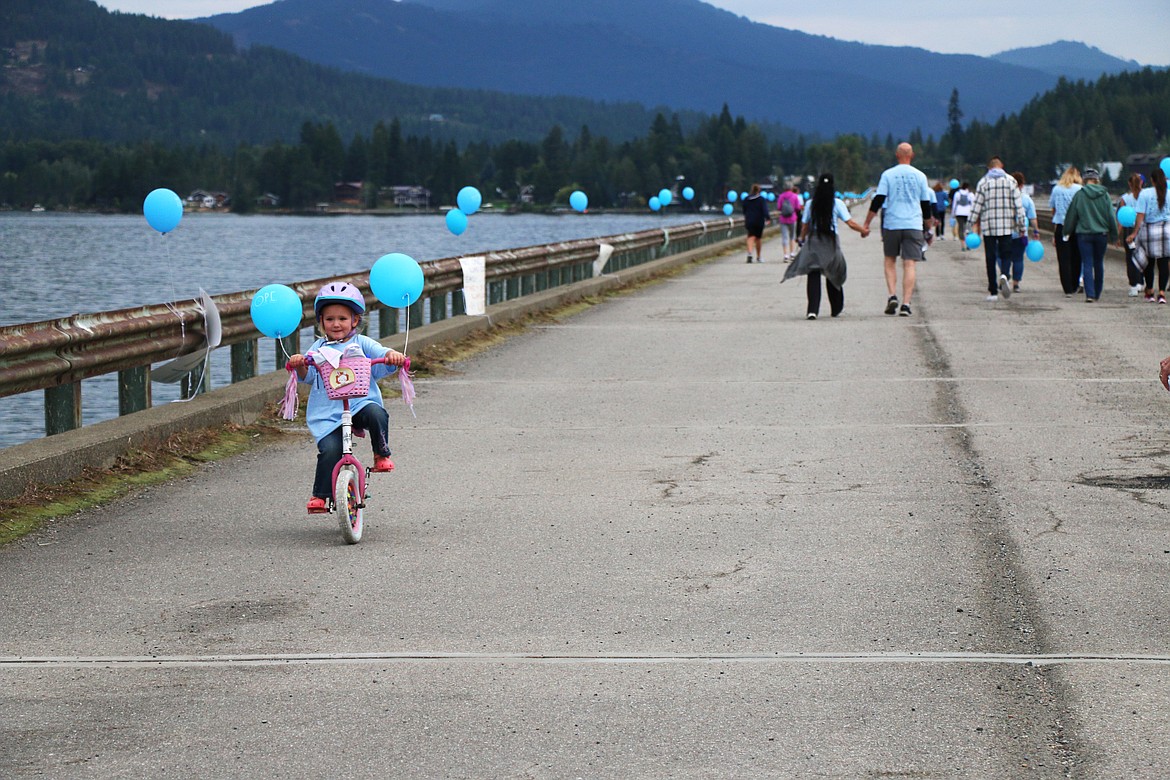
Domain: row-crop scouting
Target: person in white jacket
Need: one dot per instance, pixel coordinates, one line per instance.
(961, 206)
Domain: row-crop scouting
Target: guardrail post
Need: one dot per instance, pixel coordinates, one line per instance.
(387, 322)
(458, 303)
(133, 390)
(511, 288)
(542, 281)
(438, 307)
(495, 292)
(244, 360)
(415, 313)
(527, 284)
(62, 408)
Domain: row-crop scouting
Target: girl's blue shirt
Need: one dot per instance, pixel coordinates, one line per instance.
(1147, 203)
(1060, 199)
(323, 414)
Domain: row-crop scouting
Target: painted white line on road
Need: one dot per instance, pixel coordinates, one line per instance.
(318, 659)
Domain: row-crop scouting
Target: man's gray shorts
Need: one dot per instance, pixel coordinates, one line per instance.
(906, 244)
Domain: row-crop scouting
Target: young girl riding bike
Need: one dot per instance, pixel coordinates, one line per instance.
(339, 308)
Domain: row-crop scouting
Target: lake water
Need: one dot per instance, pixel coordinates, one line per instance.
(54, 265)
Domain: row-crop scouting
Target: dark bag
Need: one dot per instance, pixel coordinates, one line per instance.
(786, 209)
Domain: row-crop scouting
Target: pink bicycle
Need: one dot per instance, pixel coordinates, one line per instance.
(349, 379)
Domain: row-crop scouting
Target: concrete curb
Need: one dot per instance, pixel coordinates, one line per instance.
(56, 459)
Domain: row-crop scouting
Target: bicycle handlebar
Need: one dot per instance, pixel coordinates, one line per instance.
(288, 366)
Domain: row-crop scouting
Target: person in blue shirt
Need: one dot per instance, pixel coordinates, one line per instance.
(1151, 230)
(821, 250)
(909, 212)
(1015, 270)
(339, 308)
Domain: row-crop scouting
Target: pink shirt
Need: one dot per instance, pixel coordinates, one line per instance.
(792, 196)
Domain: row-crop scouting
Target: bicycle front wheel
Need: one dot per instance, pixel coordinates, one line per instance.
(347, 502)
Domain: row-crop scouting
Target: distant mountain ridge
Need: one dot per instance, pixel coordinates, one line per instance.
(73, 70)
(682, 53)
(1074, 60)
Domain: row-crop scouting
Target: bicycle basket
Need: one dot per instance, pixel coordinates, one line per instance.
(351, 378)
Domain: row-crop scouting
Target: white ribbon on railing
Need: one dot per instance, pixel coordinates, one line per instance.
(665, 238)
(474, 285)
(604, 251)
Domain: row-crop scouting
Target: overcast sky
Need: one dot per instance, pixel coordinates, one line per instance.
(1136, 29)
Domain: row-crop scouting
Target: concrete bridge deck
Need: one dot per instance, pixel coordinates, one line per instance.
(685, 533)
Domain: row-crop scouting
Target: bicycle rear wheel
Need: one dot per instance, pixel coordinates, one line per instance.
(347, 502)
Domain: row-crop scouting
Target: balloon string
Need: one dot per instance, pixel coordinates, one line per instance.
(406, 339)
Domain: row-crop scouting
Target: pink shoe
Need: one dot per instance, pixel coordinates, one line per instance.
(383, 465)
(317, 506)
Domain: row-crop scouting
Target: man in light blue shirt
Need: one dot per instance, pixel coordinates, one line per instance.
(909, 205)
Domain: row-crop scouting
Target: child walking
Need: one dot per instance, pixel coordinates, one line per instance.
(339, 308)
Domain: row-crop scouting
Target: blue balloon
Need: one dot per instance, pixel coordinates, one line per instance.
(732, 195)
(469, 200)
(655, 204)
(973, 240)
(743, 196)
(954, 184)
(456, 221)
(1126, 216)
(1165, 166)
(276, 311)
(1035, 251)
(688, 193)
(727, 209)
(396, 280)
(665, 197)
(579, 200)
(806, 196)
(163, 210)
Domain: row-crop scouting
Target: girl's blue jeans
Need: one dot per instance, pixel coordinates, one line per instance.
(374, 419)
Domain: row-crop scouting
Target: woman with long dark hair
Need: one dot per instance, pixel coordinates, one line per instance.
(821, 253)
(1152, 231)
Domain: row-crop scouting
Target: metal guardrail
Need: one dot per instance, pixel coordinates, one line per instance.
(56, 355)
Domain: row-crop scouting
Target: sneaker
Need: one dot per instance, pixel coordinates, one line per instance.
(1090, 300)
(1161, 298)
(904, 311)
(317, 506)
(1135, 291)
(991, 298)
(1004, 288)
(812, 315)
(1016, 287)
(383, 465)
(892, 305)
(749, 258)
(1149, 297)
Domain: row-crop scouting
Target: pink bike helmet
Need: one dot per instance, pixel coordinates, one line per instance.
(340, 292)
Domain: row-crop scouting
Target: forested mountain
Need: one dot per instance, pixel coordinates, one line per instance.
(73, 70)
(685, 54)
(1079, 122)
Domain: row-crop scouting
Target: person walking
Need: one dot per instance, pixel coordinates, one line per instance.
(1068, 254)
(788, 207)
(961, 210)
(998, 211)
(1091, 218)
(1020, 240)
(821, 251)
(940, 210)
(1135, 275)
(755, 219)
(909, 212)
(1151, 231)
